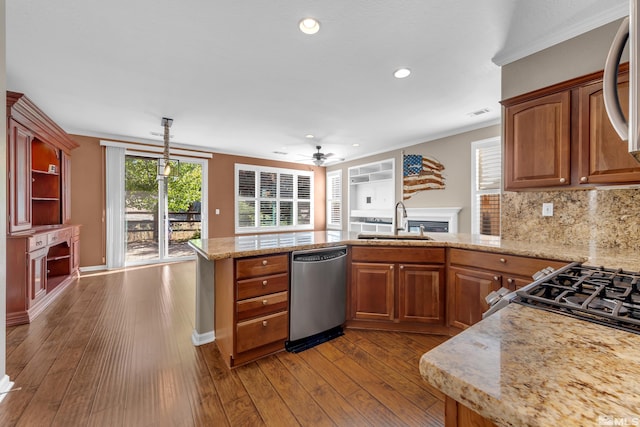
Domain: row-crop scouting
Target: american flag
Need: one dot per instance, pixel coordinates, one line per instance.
(421, 173)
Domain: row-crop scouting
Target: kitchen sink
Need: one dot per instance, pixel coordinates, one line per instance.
(389, 236)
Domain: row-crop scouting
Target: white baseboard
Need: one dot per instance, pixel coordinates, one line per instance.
(200, 339)
(5, 386)
(93, 268)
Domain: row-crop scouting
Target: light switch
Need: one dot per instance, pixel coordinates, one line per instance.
(547, 209)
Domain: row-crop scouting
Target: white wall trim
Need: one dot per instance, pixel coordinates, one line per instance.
(93, 268)
(5, 386)
(201, 339)
(507, 56)
(436, 214)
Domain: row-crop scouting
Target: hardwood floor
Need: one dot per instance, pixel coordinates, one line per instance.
(115, 350)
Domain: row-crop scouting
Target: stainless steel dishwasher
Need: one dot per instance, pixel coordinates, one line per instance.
(318, 297)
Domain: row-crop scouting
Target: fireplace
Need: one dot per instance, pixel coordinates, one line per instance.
(434, 220)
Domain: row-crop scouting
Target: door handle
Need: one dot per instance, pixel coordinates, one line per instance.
(610, 82)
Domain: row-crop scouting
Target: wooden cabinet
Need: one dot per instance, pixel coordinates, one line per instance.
(538, 142)
(19, 175)
(251, 307)
(472, 275)
(397, 288)
(43, 253)
(604, 157)
(39, 266)
(458, 415)
(562, 136)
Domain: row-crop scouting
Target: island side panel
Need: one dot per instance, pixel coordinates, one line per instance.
(225, 308)
(204, 328)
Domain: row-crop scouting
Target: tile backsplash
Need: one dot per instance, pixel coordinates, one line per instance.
(604, 218)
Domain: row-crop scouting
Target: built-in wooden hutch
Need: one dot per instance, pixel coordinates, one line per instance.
(42, 245)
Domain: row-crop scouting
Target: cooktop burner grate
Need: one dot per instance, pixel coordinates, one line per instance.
(596, 294)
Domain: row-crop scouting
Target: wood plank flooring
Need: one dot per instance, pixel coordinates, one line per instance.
(115, 350)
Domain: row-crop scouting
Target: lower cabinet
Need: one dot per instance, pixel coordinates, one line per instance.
(472, 275)
(251, 307)
(397, 288)
(39, 266)
(458, 415)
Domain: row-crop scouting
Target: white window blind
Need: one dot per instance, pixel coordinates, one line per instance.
(334, 199)
(273, 198)
(486, 159)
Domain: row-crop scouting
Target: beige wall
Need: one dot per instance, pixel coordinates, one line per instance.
(454, 152)
(88, 195)
(573, 58)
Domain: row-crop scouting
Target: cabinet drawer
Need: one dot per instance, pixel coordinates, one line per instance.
(523, 266)
(261, 306)
(56, 237)
(264, 285)
(261, 266)
(391, 254)
(261, 331)
(37, 242)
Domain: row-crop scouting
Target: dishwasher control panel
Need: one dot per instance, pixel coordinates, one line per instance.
(324, 255)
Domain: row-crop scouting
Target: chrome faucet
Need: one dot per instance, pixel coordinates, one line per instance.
(399, 225)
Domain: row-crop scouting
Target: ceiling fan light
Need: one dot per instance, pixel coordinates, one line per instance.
(309, 26)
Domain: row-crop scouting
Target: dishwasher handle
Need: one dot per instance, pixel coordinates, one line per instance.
(321, 255)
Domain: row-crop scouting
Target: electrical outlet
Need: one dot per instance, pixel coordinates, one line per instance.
(217, 211)
(547, 209)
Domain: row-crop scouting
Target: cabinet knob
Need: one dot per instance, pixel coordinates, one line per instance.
(502, 260)
(265, 302)
(563, 180)
(264, 323)
(402, 267)
(264, 283)
(584, 179)
(264, 262)
(496, 278)
(391, 267)
(509, 280)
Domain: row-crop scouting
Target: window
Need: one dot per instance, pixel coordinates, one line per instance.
(486, 173)
(273, 199)
(334, 199)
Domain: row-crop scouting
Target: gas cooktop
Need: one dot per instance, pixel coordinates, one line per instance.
(606, 296)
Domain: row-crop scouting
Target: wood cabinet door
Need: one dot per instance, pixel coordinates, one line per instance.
(19, 154)
(604, 157)
(66, 188)
(37, 275)
(421, 290)
(466, 290)
(372, 293)
(538, 142)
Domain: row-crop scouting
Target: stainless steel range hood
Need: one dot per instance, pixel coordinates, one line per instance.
(628, 31)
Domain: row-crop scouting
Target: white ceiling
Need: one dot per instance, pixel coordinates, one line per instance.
(239, 77)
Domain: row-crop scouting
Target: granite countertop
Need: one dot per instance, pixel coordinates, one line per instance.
(262, 244)
(524, 366)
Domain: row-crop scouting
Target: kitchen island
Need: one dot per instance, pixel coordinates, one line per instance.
(210, 250)
(528, 367)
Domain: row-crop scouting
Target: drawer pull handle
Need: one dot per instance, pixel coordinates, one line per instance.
(264, 262)
(265, 302)
(502, 260)
(264, 323)
(38, 243)
(264, 283)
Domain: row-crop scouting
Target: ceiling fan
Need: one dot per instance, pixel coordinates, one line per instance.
(319, 158)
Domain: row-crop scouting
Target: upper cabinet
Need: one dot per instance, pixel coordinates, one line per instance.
(560, 136)
(38, 165)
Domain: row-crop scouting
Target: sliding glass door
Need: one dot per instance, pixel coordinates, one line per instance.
(161, 213)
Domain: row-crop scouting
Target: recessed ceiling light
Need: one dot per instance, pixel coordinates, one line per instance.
(355, 145)
(309, 26)
(401, 73)
(309, 136)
